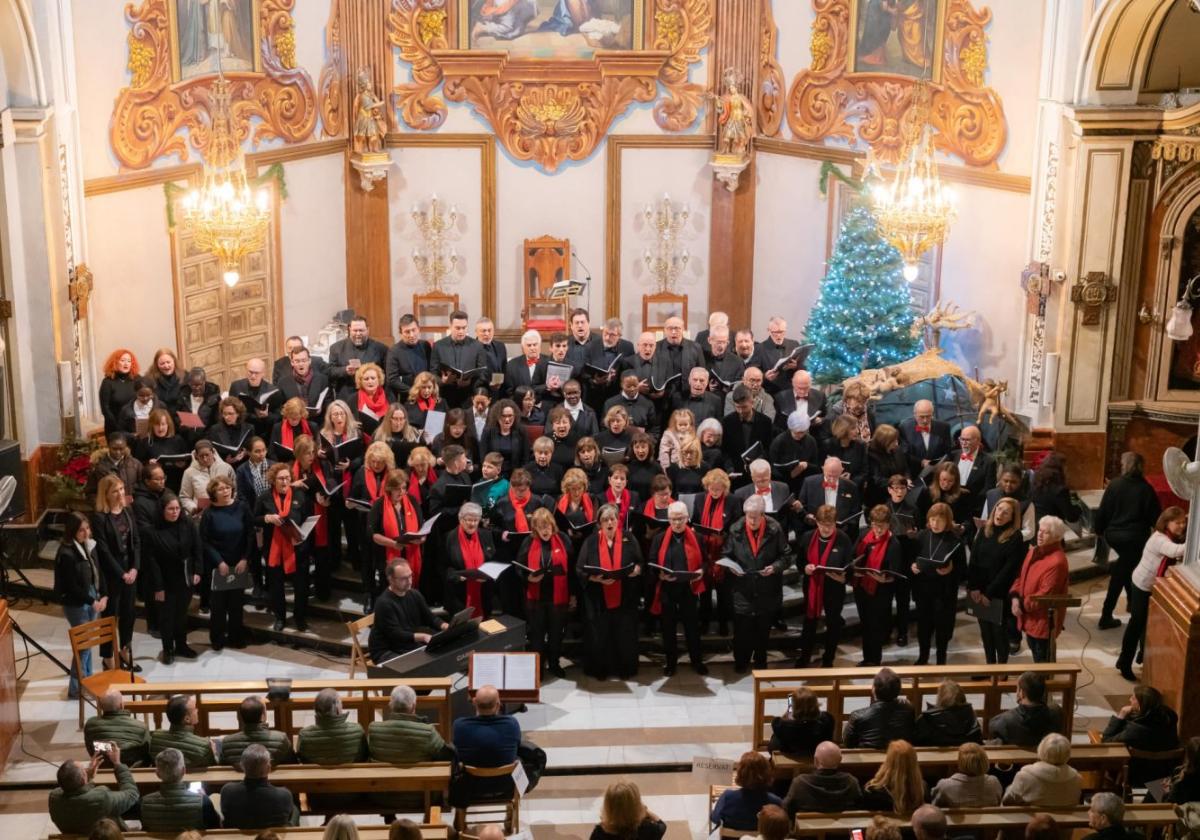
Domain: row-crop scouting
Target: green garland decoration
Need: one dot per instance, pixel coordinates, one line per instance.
(828, 168)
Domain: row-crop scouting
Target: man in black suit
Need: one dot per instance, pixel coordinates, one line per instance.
(724, 367)
(774, 493)
(640, 409)
(601, 356)
(254, 802)
(702, 402)
(495, 354)
(675, 356)
(406, 358)
(775, 347)
(351, 353)
(581, 340)
(528, 369)
(201, 398)
(746, 350)
(802, 396)
(976, 468)
(306, 383)
(741, 429)
(260, 413)
(283, 365)
(641, 363)
(924, 439)
(584, 422)
(457, 352)
(831, 489)
(715, 319)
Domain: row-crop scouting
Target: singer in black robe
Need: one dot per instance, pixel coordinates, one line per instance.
(879, 550)
(936, 575)
(829, 549)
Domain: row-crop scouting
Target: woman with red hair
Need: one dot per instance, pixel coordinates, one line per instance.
(119, 386)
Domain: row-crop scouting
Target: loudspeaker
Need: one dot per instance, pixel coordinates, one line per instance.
(10, 464)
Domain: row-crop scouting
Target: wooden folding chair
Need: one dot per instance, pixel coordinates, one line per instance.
(90, 634)
(504, 812)
(358, 658)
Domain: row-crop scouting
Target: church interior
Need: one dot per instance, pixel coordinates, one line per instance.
(439, 418)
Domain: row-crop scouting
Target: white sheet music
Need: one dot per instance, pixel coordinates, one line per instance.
(520, 672)
(487, 669)
(494, 569)
(435, 421)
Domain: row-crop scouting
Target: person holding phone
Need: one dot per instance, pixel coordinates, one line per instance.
(76, 804)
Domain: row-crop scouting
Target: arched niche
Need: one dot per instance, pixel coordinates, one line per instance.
(1118, 50)
(21, 81)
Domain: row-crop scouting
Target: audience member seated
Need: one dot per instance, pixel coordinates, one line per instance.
(107, 829)
(343, 827)
(897, 786)
(76, 803)
(624, 817)
(404, 830)
(1104, 816)
(1042, 827)
(802, 726)
(254, 802)
(403, 737)
(738, 807)
(773, 824)
(929, 823)
(1049, 782)
(488, 739)
(1031, 720)
(825, 790)
(180, 734)
(118, 726)
(887, 719)
(173, 807)
(252, 719)
(490, 832)
(332, 739)
(881, 828)
(950, 722)
(1147, 724)
(971, 786)
(1185, 782)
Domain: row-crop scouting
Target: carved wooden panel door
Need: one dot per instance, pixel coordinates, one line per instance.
(219, 328)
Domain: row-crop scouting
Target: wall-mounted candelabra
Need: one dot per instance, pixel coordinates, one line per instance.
(666, 260)
(434, 258)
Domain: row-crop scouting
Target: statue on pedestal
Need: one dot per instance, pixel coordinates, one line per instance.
(370, 123)
(735, 132)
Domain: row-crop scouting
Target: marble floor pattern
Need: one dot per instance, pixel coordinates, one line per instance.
(582, 725)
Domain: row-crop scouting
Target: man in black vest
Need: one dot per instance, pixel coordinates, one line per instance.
(351, 353)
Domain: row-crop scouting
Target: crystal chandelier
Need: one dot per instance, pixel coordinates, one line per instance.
(666, 261)
(434, 259)
(224, 216)
(914, 212)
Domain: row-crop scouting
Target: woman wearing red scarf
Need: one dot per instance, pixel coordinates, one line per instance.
(467, 548)
(366, 489)
(678, 550)
(313, 474)
(717, 510)
(825, 547)
(422, 399)
(371, 406)
(421, 477)
(342, 443)
(510, 523)
(392, 516)
(881, 553)
(576, 508)
(548, 596)
(1043, 573)
(610, 604)
(284, 559)
(756, 542)
(619, 495)
(293, 423)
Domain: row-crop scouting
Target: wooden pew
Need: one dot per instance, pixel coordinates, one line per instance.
(1107, 762)
(429, 831)
(833, 686)
(365, 697)
(985, 820)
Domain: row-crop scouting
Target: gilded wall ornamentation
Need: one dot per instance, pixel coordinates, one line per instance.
(150, 115)
(825, 98)
(771, 86)
(331, 86)
(549, 110)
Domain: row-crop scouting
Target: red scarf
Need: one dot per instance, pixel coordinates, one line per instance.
(472, 554)
(695, 561)
(755, 537)
(414, 483)
(410, 552)
(377, 404)
(713, 514)
(374, 482)
(282, 551)
(816, 582)
(321, 532)
(520, 521)
(558, 557)
(875, 548)
(585, 501)
(650, 511)
(622, 508)
(426, 405)
(287, 433)
(612, 592)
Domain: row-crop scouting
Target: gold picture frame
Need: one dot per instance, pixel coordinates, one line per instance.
(637, 39)
(909, 34)
(256, 63)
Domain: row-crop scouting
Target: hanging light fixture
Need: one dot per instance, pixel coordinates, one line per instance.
(914, 212)
(224, 215)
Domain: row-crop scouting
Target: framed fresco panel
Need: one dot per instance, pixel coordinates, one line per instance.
(206, 34)
(897, 37)
(551, 29)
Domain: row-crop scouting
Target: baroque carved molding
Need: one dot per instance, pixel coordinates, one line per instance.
(331, 85)
(826, 96)
(550, 110)
(151, 113)
(769, 98)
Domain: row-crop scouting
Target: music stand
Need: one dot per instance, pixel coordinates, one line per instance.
(1052, 603)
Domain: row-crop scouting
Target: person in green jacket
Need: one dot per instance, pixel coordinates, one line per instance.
(254, 730)
(174, 807)
(118, 726)
(333, 739)
(183, 718)
(76, 804)
(404, 737)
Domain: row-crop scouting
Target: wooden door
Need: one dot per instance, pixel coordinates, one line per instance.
(219, 328)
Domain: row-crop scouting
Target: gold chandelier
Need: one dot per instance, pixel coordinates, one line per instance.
(224, 216)
(914, 212)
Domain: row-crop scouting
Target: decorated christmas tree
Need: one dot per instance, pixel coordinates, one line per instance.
(863, 317)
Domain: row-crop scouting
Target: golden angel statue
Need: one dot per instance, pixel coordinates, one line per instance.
(735, 120)
(370, 121)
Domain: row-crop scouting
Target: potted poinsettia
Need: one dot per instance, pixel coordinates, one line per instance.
(65, 486)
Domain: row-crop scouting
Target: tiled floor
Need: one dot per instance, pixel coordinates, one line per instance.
(580, 724)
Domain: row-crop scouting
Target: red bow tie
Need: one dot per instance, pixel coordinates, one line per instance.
(923, 429)
(531, 362)
(766, 492)
(830, 485)
(967, 456)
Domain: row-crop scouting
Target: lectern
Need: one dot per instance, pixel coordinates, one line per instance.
(1054, 603)
(1172, 660)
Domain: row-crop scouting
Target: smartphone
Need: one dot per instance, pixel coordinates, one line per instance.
(856, 834)
(196, 787)
(102, 747)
